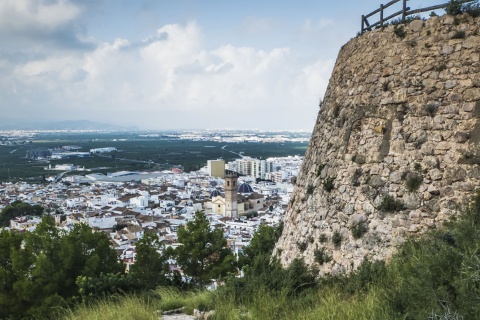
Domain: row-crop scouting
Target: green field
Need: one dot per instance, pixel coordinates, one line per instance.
(135, 153)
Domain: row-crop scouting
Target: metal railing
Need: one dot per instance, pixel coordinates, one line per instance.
(405, 12)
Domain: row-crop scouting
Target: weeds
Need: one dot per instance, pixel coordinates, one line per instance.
(358, 230)
(321, 256)
(337, 239)
(459, 35)
(399, 30)
(390, 204)
(328, 184)
(413, 182)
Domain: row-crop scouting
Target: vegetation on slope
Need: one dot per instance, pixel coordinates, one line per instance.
(435, 277)
(46, 271)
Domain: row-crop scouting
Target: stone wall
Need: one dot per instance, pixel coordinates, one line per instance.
(400, 118)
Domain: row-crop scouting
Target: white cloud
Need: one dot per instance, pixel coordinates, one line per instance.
(170, 81)
(33, 15)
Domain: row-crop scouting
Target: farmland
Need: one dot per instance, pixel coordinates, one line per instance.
(136, 152)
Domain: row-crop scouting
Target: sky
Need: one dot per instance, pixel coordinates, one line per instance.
(173, 64)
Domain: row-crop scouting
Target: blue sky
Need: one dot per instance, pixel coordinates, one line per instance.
(176, 64)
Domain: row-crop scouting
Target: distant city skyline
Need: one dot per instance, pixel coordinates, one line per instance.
(160, 65)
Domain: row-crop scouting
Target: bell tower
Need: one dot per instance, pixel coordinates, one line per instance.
(231, 204)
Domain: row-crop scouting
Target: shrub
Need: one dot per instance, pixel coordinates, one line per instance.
(328, 184)
(453, 8)
(323, 238)
(413, 182)
(431, 108)
(440, 68)
(337, 239)
(460, 34)
(356, 176)
(412, 43)
(417, 166)
(321, 256)
(472, 8)
(385, 86)
(320, 168)
(390, 204)
(399, 31)
(358, 230)
(302, 246)
(310, 189)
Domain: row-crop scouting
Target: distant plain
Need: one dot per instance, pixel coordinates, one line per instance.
(136, 153)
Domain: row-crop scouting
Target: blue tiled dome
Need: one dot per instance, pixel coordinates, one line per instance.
(215, 193)
(245, 188)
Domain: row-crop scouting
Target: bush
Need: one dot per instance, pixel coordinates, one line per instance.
(413, 182)
(399, 31)
(302, 246)
(323, 238)
(358, 230)
(356, 177)
(390, 204)
(459, 35)
(453, 8)
(321, 256)
(310, 189)
(472, 8)
(337, 239)
(328, 184)
(320, 168)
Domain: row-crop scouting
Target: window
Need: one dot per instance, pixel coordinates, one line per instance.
(228, 183)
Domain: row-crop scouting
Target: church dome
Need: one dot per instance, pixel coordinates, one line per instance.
(215, 193)
(245, 188)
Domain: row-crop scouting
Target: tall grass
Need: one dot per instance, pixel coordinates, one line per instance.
(117, 308)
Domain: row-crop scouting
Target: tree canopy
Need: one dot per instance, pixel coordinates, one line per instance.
(39, 269)
(17, 209)
(203, 254)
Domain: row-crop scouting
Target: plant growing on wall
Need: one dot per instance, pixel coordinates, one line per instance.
(358, 230)
(413, 182)
(337, 239)
(328, 184)
(310, 189)
(321, 256)
(390, 204)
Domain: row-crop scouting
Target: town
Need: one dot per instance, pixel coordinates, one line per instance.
(237, 197)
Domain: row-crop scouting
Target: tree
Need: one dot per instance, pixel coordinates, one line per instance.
(262, 243)
(41, 273)
(17, 209)
(203, 254)
(151, 268)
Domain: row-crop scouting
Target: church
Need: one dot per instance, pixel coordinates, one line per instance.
(236, 199)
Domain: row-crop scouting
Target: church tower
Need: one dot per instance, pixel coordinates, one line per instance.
(231, 203)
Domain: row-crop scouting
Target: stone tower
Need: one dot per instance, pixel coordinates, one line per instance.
(231, 204)
(396, 147)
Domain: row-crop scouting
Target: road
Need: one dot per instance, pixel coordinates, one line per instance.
(238, 154)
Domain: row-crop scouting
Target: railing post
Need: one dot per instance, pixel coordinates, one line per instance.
(381, 15)
(363, 20)
(404, 10)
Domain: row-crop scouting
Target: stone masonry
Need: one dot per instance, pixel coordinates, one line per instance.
(399, 125)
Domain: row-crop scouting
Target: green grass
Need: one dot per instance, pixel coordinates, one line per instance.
(119, 308)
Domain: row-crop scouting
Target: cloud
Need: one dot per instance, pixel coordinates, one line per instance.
(26, 16)
(36, 24)
(170, 81)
